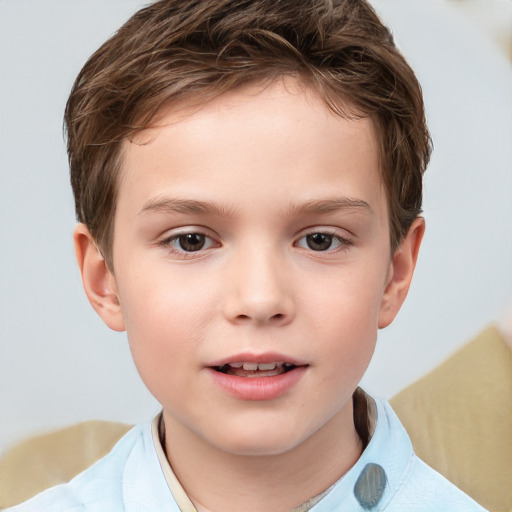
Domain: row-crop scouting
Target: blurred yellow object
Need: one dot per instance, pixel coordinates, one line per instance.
(459, 418)
(50, 459)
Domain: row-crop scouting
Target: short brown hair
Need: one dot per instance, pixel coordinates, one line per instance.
(195, 50)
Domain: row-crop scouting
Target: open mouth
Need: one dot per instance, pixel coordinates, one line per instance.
(257, 377)
(249, 369)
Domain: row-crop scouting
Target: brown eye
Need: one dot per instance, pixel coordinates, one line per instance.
(319, 241)
(191, 242)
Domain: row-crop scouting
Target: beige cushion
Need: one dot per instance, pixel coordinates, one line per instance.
(459, 418)
(51, 459)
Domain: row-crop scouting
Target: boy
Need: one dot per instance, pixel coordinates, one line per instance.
(247, 177)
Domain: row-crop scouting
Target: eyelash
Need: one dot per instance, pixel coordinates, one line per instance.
(181, 252)
(343, 243)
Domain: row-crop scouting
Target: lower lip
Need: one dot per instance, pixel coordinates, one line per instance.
(257, 388)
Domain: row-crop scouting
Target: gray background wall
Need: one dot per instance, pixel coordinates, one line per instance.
(59, 364)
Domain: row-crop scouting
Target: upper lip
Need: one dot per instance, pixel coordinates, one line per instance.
(267, 357)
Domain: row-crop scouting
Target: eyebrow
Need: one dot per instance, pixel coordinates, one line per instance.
(325, 206)
(312, 207)
(190, 206)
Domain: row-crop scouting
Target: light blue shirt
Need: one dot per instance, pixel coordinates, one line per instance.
(387, 477)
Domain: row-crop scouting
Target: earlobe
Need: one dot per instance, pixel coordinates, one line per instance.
(99, 282)
(401, 272)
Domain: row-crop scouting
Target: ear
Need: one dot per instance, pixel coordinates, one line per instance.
(99, 282)
(400, 273)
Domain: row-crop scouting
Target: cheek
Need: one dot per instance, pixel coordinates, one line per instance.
(346, 298)
(163, 340)
(164, 299)
(165, 319)
(345, 312)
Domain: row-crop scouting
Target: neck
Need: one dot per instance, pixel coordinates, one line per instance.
(216, 480)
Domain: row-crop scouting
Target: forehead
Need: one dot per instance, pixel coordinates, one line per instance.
(281, 132)
(263, 100)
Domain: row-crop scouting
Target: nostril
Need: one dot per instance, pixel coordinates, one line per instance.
(274, 318)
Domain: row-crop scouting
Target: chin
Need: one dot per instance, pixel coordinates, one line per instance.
(263, 441)
(259, 447)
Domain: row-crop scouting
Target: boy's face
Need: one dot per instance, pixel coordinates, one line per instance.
(254, 231)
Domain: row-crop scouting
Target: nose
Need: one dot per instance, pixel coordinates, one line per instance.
(259, 289)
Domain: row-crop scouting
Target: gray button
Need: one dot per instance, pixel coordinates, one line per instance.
(370, 486)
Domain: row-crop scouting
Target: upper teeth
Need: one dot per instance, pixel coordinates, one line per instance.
(256, 366)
